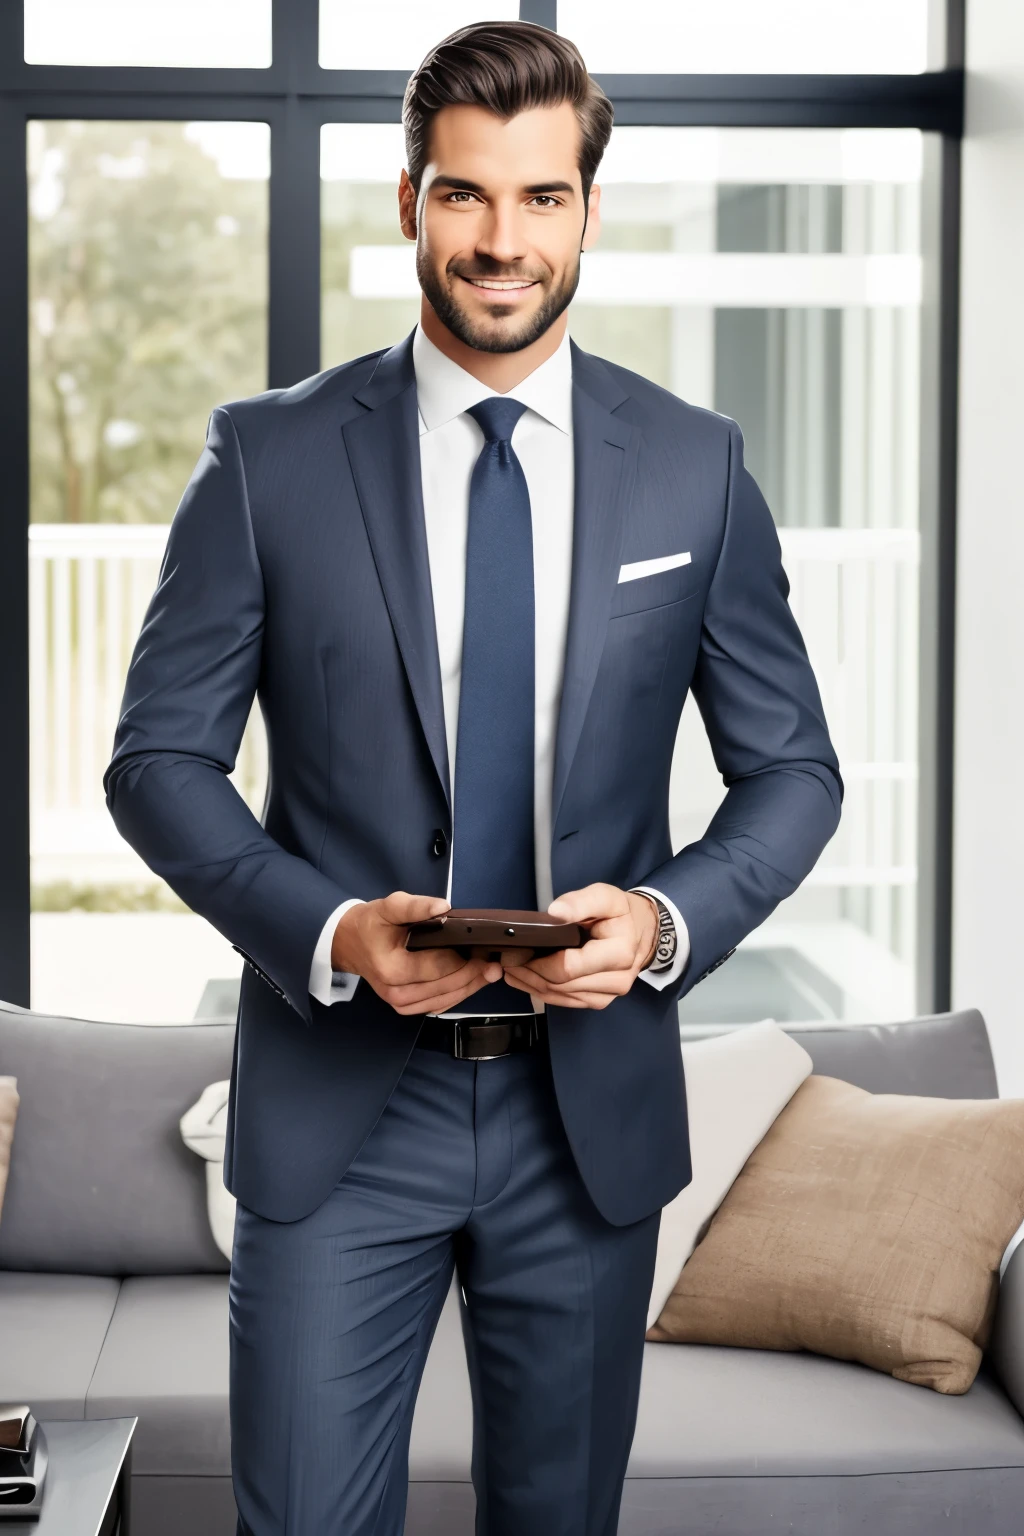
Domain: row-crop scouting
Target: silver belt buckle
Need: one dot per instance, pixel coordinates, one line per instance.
(501, 1030)
(501, 1025)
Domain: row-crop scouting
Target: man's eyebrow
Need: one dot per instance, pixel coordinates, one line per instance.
(457, 184)
(460, 184)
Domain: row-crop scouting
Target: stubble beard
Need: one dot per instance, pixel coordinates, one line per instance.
(507, 337)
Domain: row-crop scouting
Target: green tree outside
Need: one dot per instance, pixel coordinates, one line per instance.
(148, 306)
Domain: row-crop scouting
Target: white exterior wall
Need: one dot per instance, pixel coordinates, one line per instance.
(988, 849)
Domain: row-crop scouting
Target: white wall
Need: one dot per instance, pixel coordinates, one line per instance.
(988, 849)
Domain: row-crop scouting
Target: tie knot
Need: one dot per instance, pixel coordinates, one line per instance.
(497, 417)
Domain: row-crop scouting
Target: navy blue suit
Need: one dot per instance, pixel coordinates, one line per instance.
(296, 569)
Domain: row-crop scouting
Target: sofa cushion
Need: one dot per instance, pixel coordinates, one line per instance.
(942, 1056)
(51, 1333)
(165, 1358)
(717, 1412)
(100, 1180)
(865, 1226)
(708, 1411)
(704, 1412)
(1006, 1348)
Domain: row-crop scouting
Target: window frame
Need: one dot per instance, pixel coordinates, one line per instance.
(296, 97)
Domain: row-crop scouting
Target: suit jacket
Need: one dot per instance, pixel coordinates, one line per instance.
(296, 570)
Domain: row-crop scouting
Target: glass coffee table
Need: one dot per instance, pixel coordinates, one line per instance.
(88, 1480)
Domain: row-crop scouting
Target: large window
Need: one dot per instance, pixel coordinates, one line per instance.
(199, 219)
(147, 305)
(774, 275)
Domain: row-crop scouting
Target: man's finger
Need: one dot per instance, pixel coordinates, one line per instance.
(596, 955)
(423, 965)
(400, 907)
(470, 977)
(446, 1000)
(564, 998)
(610, 982)
(511, 957)
(437, 1004)
(590, 903)
(400, 967)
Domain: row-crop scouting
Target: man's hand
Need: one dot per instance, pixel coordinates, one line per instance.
(370, 942)
(623, 937)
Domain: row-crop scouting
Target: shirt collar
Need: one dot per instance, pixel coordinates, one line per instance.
(444, 390)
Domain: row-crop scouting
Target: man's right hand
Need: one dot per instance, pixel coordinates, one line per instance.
(369, 941)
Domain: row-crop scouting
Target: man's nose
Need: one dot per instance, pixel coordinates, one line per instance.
(502, 237)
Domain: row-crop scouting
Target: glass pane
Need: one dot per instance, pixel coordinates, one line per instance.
(397, 34)
(359, 168)
(755, 36)
(187, 34)
(775, 276)
(148, 306)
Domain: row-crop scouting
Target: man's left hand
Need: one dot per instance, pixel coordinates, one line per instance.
(623, 936)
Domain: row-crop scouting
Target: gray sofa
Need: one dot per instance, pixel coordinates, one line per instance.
(113, 1301)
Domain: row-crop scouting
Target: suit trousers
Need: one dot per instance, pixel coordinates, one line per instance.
(467, 1169)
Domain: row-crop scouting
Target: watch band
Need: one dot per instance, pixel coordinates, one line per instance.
(665, 949)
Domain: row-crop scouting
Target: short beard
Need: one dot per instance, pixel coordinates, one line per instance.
(450, 315)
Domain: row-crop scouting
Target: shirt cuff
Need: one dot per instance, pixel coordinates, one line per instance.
(659, 980)
(325, 985)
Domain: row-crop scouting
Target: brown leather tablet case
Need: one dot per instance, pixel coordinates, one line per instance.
(488, 930)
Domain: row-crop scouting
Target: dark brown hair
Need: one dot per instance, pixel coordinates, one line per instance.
(507, 67)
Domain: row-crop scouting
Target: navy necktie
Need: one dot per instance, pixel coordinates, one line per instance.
(492, 842)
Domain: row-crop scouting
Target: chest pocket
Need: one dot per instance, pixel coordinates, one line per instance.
(643, 592)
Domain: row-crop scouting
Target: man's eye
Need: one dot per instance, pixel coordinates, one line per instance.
(544, 199)
(454, 196)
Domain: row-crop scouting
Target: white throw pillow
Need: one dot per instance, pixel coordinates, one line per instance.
(203, 1129)
(9, 1102)
(736, 1085)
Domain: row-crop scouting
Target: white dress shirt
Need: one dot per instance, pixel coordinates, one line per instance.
(450, 443)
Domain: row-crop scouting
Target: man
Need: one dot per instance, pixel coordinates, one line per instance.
(472, 579)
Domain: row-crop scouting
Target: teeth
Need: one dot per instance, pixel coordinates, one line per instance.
(486, 282)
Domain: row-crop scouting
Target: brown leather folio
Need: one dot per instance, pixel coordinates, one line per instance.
(485, 931)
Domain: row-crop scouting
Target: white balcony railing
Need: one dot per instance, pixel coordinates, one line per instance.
(854, 593)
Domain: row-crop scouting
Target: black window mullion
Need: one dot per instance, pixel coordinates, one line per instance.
(939, 374)
(932, 102)
(296, 44)
(543, 12)
(139, 80)
(14, 696)
(294, 308)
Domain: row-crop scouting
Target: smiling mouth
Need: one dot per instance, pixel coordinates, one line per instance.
(500, 285)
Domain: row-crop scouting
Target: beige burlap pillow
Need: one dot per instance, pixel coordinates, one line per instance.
(864, 1226)
(9, 1102)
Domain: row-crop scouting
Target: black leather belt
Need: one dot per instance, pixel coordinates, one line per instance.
(483, 1038)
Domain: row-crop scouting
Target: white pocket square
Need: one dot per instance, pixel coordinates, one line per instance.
(651, 567)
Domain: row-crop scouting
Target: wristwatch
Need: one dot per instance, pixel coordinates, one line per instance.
(665, 949)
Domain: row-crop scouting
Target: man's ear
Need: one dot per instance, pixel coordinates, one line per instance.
(593, 228)
(407, 206)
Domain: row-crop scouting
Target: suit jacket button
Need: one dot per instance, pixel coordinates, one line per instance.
(439, 847)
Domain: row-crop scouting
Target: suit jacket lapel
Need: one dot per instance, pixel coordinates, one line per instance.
(604, 452)
(384, 453)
